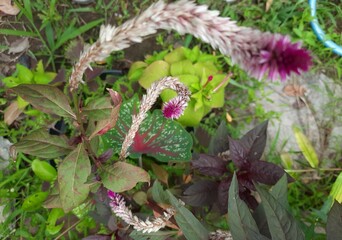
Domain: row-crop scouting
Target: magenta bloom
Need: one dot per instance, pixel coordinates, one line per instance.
(175, 107)
(279, 58)
(115, 198)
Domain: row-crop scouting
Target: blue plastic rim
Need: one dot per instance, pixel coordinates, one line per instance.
(320, 33)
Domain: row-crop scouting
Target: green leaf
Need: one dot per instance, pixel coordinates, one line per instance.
(306, 147)
(17, 33)
(121, 176)
(44, 170)
(34, 201)
(336, 191)
(188, 223)
(72, 175)
(334, 223)
(45, 98)
(160, 235)
(54, 215)
(240, 220)
(279, 191)
(41, 144)
(281, 224)
(24, 74)
(72, 32)
(161, 138)
(158, 193)
(98, 108)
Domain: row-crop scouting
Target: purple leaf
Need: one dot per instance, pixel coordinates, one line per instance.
(219, 142)
(209, 165)
(222, 194)
(250, 147)
(255, 141)
(238, 153)
(267, 173)
(245, 180)
(248, 198)
(201, 193)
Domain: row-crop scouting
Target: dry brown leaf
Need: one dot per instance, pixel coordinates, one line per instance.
(18, 46)
(294, 90)
(268, 5)
(161, 173)
(12, 112)
(7, 7)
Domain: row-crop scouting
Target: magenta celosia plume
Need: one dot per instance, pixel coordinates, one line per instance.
(175, 107)
(279, 58)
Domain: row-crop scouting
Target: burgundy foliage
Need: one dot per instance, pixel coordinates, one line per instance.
(245, 153)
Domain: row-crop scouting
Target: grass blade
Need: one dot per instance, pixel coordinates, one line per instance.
(17, 33)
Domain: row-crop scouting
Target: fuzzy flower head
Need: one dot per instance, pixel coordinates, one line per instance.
(116, 199)
(175, 107)
(279, 58)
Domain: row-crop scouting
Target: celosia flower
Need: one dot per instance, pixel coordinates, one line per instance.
(118, 206)
(279, 58)
(175, 107)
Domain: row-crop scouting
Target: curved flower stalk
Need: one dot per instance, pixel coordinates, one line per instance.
(172, 109)
(255, 51)
(118, 206)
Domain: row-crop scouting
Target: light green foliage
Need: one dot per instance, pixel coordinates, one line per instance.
(27, 76)
(199, 71)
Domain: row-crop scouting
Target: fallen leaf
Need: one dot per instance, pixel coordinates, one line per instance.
(12, 112)
(268, 5)
(294, 90)
(18, 46)
(7, 7)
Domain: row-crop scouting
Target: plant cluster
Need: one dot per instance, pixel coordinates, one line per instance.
(101, 163)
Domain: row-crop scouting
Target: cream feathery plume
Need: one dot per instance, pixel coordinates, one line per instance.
(255, 51)
(118, 206)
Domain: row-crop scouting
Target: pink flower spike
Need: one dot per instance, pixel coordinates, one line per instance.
(279, 58)
(115, 198)
(175, 107)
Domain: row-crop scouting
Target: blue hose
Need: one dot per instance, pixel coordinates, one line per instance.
(320, 33)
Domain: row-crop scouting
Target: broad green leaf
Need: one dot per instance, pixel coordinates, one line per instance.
(188, 223)
(336, 191)
(160, 235)
(41, 144)
(334, 223)
(306, 148)
(72, 175)
(46, 98)
(122, 176)
(161, 138)
(154, 72)
(240, 220)
(53, 200)
(281, 224)
(158, 193)
(98, 108)
(279, 191)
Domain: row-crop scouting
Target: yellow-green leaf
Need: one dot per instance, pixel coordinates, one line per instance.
(336, 191)
(306, 147)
